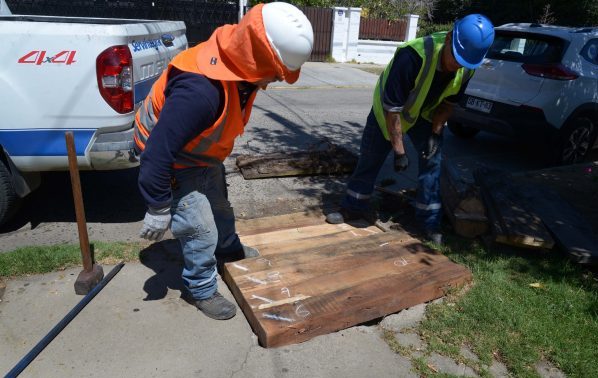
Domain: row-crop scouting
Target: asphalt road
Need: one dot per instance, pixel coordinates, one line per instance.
(329, 103)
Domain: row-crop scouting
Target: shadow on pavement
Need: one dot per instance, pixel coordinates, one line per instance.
(166, 260)
(108, 197)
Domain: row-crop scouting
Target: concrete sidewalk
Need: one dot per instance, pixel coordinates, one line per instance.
(138, 326)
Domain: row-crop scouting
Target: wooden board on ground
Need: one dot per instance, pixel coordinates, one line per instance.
(577, 184)
(462, 202)
(571, 230)
(333, 160)
(278, 222)
(295, 294)
(297, 235)
(515, 222)
(302, 239)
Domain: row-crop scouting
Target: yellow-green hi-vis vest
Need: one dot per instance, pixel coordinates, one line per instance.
(429, 48)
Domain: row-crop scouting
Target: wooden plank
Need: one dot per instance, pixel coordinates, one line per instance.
(571, 230)
(316, 241)
(333, 160)
(518, 224)
(254, 226)
(462, 202)
(294, 296)
(577, 184)
(295, 234)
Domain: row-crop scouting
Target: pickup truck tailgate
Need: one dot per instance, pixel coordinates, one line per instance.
(152, 52)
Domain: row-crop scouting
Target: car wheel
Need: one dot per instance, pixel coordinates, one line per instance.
(9, 200)
(575, 140)
(461, 130)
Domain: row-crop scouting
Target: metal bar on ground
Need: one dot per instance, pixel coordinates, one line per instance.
(29, 357)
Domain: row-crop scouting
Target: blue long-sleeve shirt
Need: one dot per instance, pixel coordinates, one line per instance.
(192, 104)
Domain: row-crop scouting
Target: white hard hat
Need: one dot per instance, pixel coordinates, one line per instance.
(289, 32)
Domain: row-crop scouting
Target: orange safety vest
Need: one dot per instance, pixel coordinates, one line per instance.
(233, 53)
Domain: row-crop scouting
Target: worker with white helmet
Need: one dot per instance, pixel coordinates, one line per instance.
(415, 96)
(187, 125)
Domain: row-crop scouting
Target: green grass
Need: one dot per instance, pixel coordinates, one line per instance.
(502, 316)
(44, 259)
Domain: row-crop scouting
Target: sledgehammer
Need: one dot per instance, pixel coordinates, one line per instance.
(91, 273)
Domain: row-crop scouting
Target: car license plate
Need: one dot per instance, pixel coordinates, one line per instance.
(478, 104)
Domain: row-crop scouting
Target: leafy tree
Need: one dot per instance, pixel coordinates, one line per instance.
(561, 12)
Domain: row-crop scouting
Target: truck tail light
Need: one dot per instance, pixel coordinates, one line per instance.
(114, 68)
(550, 71)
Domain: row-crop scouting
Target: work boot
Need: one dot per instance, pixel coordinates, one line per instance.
(244, 253)
(434, 237)
(346, 215)
(216, 307)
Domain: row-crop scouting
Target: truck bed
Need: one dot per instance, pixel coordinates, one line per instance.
(77, 20)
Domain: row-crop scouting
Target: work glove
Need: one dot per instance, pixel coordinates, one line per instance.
(401, 162)
(432, 146)
(155, 223)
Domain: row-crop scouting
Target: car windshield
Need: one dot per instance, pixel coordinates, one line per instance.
(526, 48)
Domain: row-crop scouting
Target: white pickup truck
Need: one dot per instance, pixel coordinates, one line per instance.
(84, 75)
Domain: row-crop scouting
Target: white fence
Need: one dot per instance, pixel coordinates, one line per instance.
(347, 47)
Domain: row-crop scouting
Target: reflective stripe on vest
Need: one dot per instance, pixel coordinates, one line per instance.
(429, 49)
(215, 143)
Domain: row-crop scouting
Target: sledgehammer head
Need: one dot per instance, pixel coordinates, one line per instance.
(87, 280)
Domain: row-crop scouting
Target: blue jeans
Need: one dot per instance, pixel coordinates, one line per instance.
(204, 223)
(373, 152)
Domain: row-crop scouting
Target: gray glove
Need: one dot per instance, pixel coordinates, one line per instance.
(432, 146)
(155, 223)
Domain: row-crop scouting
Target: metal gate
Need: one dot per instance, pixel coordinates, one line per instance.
(201, 16)
(321, 21)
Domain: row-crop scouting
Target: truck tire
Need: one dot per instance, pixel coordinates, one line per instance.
(575, 140)
(9, 200)
(461, 130)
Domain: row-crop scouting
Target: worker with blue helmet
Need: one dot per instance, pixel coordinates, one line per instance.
(415, 95)
(471, 39)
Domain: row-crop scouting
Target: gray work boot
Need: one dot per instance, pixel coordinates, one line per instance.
(434, 237)
(216, 307)
(244, 253)
(346, 215)
(250, 252)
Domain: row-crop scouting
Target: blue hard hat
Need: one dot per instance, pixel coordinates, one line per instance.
(472, 37)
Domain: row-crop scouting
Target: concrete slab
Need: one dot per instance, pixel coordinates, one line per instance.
(448, 366)
(121, 334)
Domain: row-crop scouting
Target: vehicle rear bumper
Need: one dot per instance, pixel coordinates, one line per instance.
(113, 150)
(508, 120)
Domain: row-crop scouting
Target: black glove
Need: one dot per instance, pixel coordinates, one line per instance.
(432, 147)
(401, 162)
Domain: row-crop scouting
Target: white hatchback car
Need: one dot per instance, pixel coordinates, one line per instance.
(538, 82)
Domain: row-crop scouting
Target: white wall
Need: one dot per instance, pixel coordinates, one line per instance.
(345, 33)
(379, 52)
(347, 47)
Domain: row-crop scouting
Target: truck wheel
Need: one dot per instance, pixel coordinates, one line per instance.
(575, 140)
(461, 130)
(9, 200)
